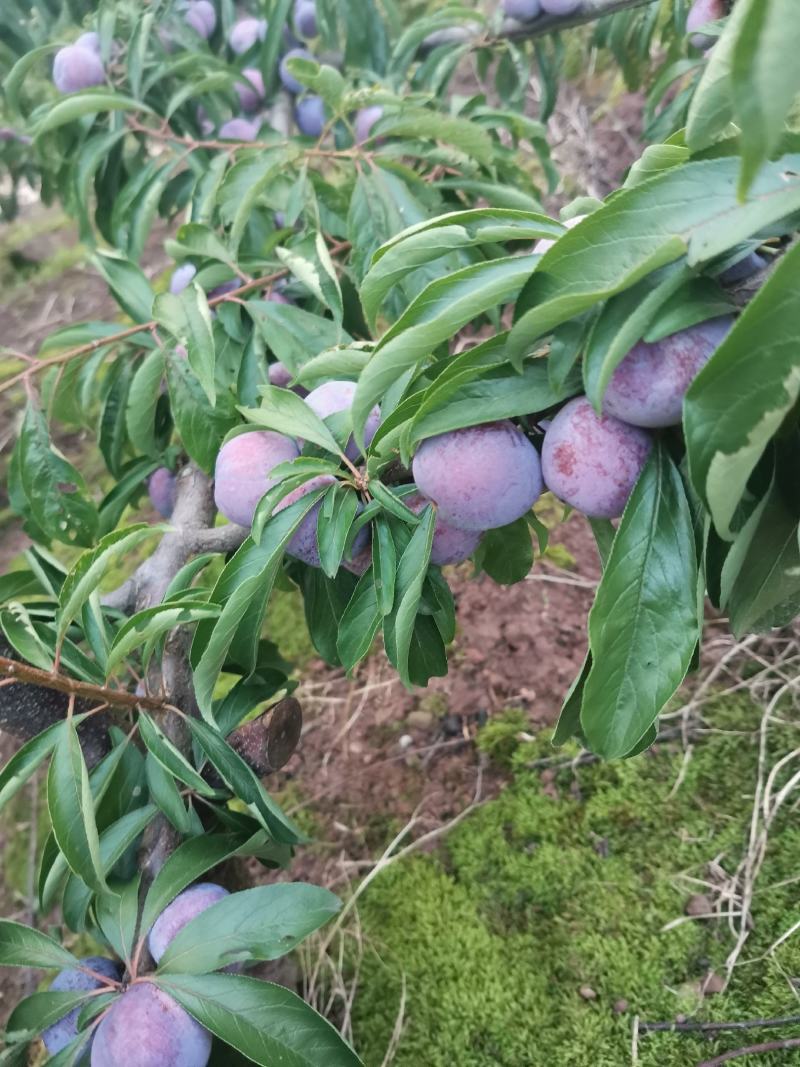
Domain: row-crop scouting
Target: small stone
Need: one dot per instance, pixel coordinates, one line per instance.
(406, 741)
(713, 984)
(420, 720)
(587, 992)
(620, 1006)
(452, 725)
(698, 905)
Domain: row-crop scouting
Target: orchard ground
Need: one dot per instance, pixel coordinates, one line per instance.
(516, 933)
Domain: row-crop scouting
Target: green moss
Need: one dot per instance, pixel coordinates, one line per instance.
(537, 895)
(499, 738)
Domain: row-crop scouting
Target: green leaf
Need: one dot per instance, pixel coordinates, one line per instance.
(40, 1010)
(146, 626)
(335, 518)
(266, 1022)
(71, 807)
(643, 626)
(86, 102)
(294, 335)
(143, 398)
(16, 76)
(21, 946)
(187, 317)
(24, 762)
(737, 402)
(384, 564)
(690, 210)
(569, 719)
(310, 262)
(255, 924)
(420, 123)
(128, 283)
(202, 427)
(440, 310)
(286, 412)
(117, 914)
(171, 758)
(506, 553)
(91, 567)
(398, 627)
(360, 622)
(164, 793)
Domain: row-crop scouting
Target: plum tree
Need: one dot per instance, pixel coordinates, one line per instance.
(161, 487)
(181, 277)
(76, 68)
(450, 544)
(62, 1033)
(648, 386)
(334, 396)
(251, 95)
(146, 1028)
(701, 12)
(309, 113)
(592, 461)
(245, 33)
(185, 907)
(522, 10)
(241, 476)
(287, 78)
(303, 544)
(480, 477)
(202, 17)
(239, 129)
(365, 119)
(305, 18)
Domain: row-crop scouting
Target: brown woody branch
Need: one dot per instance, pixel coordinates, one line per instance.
(25, 674)
(752, 1050)
(688, 1026)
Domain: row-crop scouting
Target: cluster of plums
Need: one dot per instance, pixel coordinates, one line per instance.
(144, 1027)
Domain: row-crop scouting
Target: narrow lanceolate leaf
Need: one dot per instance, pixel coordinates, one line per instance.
(643, 626)
(738, 402)
(88, 572)
(40, 1010)
(433, 239)
(24, 762)
(257, 924)
(171, 758)
(117, 915)
(691, 210)
(398, 628)
(151, 623)
(86, 102)
(437, 314)
(360, 622)
(286, 412)
(711, 107)
(765, 78)
(266, 1022)
(187, 317)
(21, 946)
(71, 807)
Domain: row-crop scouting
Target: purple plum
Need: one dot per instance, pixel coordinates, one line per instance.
(202, 17)
(480, 477)
(242, 471)
(365, 120)
(701, 12)
(309, 114)
(522, 10)
(185, 907)
(335, 396)
(547, 242)
(560, 7)
(239, 130)
(146, 1028)
(223, 288)
(288, 79)
(76, 68)
(450, 544)
(161, 487)
(303, 544)
(282, 377)
(245, 33)
(251, 95)
(592, 461)
(648, 386)
(360, 562)
(181, 277)
(90, 40)
(305, 18)
(74, 980)
(744, 269)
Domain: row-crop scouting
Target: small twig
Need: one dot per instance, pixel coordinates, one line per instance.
(692, 1027)
(25, 674)
(752, 1050)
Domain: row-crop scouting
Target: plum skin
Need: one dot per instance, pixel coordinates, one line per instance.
(90, 40)
(181, 277)
(303, 543)
(335, 396)
(242, 471)
(289, 81)
(480, 477)
(161, 487)
(592, 461)
(309, 114)
(647, 388)
(62, 1033)
(185, 907)
(701, 12)
(365, 120)
(202, 17)
(76, 68)
(147, 1028)
(252, 94)
(245, 33)
(305, 18)
(522, 10)
(238, 129)
(450, 544)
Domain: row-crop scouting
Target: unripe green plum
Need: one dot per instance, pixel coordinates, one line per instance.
(309, 114)
(648, 386)
(147, 1028)
(242, 471)
(251, 95)
(64, 1032)
(289, 81)
(305, 18)
(245, 33)
(450, 544)
(76, 68)
(522, 10)
(335, 396)
(161, 487)
(239, 129)
(185, 907)
(592, 461)
(365, 120)
(480, 477)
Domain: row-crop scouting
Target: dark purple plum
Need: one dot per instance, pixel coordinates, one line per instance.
(335, 396)
(242, 472)
(305, 18)
(701, 12)
(450, 544)
(245, 33)
(287, 78)
(161, 487)
(748, 266)
(648, 386)
(309, 114)
(251, 95)
(185, 907)
(522, 10)
(592, 461)
(480, 477)
(281, 376)
(181, 277)
(303, 545)
(239, 129)
(76, 68)
(202, 17)
(365, 120)
(147, 1028)
(74, 980)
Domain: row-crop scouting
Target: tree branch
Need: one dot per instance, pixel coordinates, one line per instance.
(752, 1050)
(25, 674)
(693, 1027)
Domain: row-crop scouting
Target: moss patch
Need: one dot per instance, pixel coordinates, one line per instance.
(537, 895)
